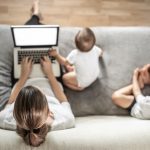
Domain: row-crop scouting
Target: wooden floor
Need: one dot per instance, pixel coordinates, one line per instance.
(79, 12)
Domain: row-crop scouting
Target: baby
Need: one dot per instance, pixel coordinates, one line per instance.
(82, 64)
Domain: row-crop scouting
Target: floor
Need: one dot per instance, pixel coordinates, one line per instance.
(79, 12)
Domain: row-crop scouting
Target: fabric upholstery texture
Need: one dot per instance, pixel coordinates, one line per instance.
(90, 133)
(125, 48)
(6, 61)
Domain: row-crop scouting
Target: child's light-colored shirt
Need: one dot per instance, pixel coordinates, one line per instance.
(63, 116)
(141, 108)
(86, 65)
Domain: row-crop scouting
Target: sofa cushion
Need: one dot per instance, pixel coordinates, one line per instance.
(90, 133)
(125, 48)
(6, 61)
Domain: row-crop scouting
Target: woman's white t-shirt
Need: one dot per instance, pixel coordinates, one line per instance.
(63, 116)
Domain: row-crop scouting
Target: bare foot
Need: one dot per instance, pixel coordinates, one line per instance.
(35, 9)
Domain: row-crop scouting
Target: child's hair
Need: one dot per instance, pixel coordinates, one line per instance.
(85, 40)
(31, 112)
(149, 70)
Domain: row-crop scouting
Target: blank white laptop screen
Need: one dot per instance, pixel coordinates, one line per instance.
(35, 36)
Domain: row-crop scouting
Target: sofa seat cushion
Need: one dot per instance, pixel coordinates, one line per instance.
(90, 133)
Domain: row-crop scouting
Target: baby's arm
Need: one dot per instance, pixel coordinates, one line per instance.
(101, 53)
(62, 60)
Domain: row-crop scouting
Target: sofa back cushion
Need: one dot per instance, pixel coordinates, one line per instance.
(6, 61)
(125, 48)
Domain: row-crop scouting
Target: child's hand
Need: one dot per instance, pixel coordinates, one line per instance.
(139, 77)
(145, 74)
(70, 68)
(52, 52)
(136, 72)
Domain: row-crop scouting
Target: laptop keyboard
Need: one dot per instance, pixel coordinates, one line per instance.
(35, 54)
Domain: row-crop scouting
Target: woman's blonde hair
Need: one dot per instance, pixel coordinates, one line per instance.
(85, 40)
(31, 112)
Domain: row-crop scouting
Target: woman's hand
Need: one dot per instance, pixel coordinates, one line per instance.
(46, 65)
(26, 67)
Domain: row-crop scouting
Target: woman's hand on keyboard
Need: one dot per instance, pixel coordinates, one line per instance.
(46, 65)
(26, 67)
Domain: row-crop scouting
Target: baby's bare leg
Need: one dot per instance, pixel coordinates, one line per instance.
(70, 80)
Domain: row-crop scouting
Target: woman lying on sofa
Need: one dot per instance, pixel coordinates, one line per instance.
(36, 105)
(131, 97)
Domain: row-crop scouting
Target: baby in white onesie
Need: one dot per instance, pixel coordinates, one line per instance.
(82, 64)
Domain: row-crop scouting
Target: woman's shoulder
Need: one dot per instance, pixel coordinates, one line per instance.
(7, 120)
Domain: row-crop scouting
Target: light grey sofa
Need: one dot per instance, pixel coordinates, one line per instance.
(100, 125)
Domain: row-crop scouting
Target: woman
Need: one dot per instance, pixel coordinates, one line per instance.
(36, 105)
(34, 110)
(131, 97)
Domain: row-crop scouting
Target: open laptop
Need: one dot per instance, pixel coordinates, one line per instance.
(35, 41)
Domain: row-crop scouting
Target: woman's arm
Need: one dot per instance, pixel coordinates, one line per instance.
(136, 87)
(47, 69)
(26, 67)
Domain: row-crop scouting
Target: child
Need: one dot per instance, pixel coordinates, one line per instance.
(131, 97)
(82, 64)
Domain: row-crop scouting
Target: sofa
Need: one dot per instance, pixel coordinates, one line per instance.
(100, 125)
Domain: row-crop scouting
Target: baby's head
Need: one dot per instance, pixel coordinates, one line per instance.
(85, 40)
(31, 112)
(149, 70)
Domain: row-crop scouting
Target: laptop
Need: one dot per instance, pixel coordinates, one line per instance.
(35, 41)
